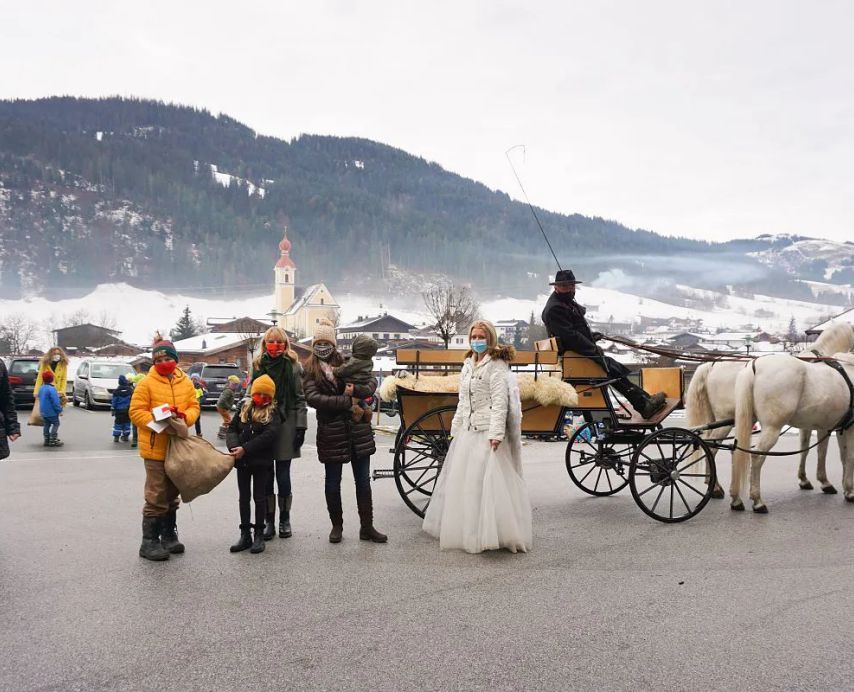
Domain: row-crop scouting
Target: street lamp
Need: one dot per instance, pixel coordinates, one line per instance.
(748, 340)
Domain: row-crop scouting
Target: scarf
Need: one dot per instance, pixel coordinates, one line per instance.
(281, 371)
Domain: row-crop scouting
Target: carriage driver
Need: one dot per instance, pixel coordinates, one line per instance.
(564, 319)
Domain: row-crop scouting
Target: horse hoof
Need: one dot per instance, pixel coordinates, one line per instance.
(828, 490)
(718, 494)
(761, 509)
(739, 506)
(805, 485)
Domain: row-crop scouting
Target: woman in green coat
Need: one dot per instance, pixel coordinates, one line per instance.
(280, 362)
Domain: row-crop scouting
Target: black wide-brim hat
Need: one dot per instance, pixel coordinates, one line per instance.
(565, 276)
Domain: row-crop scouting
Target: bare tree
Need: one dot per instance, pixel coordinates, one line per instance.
(80, 316)
(17, 331)
(451, 308)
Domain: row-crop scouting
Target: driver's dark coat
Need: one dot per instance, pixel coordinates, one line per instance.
(566, 322)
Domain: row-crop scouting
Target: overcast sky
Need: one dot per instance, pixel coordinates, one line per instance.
(710, 119)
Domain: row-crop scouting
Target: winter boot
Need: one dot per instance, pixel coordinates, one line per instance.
(336, 515)
(115, 438)
(258, 544)
(125, 438)
(646, 405)
(151, 548)
(285, 516)
(365, 503)
(245, 540)
(169, 534)
(47, 440)
(55, 441)
(270, 519)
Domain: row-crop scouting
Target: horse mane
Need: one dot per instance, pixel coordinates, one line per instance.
(839, 336)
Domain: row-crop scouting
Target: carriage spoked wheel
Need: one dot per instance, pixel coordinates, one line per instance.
(598, 463)
(669, 472)
(419, 454)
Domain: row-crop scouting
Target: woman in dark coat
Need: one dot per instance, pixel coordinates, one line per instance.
(339, 439)
(10, 429)
(279, 361)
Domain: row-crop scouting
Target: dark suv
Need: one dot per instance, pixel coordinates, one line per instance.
(215, 378)
(22, 378)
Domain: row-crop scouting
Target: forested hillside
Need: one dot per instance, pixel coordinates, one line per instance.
(122, 189)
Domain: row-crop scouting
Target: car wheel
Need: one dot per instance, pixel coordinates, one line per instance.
(74, 400)
(87, 402)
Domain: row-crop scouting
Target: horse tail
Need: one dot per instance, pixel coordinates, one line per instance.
(698, 408)
(744, 418)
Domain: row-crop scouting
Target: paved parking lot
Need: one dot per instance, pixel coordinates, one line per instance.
(607, 599)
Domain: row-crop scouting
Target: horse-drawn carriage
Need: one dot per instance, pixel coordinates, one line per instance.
(670, 471)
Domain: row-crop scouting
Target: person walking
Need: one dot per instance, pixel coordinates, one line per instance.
(10, 428)
(279, 361)
(251, 440)
(480, 501)
(340, 440)
(50, 405)
(564, 319)
(54, 361)
(165, 384)
(201, 390)
(225, 404)
(120, 405)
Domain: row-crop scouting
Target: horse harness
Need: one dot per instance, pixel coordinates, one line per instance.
(848, 419)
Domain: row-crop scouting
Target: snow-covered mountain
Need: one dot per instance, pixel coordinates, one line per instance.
(808, 258)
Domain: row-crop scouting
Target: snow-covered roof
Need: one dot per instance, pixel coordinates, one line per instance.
(213, 341)
(847, 316)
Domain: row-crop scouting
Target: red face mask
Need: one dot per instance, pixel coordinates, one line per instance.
(165, 367)
(275, 349)
(260, 400)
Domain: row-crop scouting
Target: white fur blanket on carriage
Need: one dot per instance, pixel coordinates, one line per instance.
(546, 391)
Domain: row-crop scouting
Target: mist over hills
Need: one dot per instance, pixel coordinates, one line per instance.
(172, 197)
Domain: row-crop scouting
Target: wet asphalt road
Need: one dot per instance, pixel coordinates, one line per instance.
(607, 599)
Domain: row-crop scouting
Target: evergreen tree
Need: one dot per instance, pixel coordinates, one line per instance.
(792, 335)
(185, 327)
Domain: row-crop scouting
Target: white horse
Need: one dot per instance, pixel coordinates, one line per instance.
(778, 390)
(711, 397)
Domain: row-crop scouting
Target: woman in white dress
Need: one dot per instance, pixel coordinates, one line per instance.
(480, 501)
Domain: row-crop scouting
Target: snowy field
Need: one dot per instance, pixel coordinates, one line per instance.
(137, 313)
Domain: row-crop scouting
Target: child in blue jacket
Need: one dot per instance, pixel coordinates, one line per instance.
(50, 408)
(121, 406)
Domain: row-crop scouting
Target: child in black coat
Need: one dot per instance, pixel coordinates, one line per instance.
(251, 440)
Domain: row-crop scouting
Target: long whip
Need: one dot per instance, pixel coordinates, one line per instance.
(530, 206)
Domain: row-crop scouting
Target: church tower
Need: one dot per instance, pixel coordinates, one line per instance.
(285, 272)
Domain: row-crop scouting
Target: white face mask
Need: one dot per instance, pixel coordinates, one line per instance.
(55, 358)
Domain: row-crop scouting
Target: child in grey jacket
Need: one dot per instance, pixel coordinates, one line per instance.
(359, 369)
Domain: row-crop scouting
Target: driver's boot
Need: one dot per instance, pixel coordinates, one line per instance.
(647, 405)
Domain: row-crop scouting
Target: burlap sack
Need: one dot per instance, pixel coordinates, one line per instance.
(195, 466)
(36, 415)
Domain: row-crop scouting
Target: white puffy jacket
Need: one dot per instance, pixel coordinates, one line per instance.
(484, 397)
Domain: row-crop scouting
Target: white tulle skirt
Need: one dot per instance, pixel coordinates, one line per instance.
(480, 501)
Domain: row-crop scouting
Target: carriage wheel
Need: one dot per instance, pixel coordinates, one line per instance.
(595, 464)
(419, 454)
(668, 475)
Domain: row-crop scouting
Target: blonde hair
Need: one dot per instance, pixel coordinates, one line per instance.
(493, 348)
(45, 359)
(258, 414)
(275, 334)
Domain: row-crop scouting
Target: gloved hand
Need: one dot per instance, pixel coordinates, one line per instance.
(299, 437)
(177, 414)
(597, 336)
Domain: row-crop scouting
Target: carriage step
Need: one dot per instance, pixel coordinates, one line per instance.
(382, 473)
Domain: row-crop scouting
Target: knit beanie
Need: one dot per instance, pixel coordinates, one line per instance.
(47, 376)
(264, 385)
(324, 331)
(164, 346)
(123, 381)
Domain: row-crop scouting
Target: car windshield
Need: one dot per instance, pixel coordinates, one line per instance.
(221, 372)
(24, 367)
(111, 371)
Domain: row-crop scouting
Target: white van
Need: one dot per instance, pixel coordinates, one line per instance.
(96, 380)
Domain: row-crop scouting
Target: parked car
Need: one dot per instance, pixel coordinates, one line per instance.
(23, 371)
(96, 380)
(215, 377)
